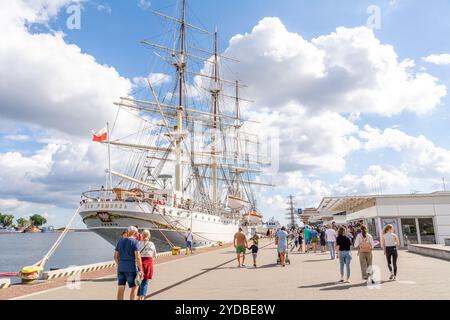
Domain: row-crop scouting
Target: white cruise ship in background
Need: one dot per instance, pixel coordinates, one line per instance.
(191, 162)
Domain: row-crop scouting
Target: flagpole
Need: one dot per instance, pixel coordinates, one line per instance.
(109, 156)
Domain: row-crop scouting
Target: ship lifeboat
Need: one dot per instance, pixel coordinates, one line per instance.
(253, 217)
(235, 203)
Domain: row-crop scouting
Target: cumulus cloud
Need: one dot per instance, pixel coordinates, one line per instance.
(156, 79)
(420, 155)
(50, 82)
(302, 89)
(349, 70)
(439, 59)
(310, 91)
(53, 87)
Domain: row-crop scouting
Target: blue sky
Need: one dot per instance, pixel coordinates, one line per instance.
(111, 31)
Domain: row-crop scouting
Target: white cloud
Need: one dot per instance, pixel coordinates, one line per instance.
(302, 89)
(349, 70)
(156, 79)
(439, 59)
(66, 89)
(104, 8)
(17, 137)
(420, 155)
(377, 180)
(144, 4)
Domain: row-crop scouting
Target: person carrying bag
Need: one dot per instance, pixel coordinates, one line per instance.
(364, 243)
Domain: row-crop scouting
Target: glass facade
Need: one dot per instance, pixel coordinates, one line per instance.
(372, 228)
(409, 231)
(426, 229)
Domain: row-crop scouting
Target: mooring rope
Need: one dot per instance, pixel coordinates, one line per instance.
(41, 263)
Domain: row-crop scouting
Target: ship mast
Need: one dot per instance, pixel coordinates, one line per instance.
(237, 127)
(214, 93)
(179, 126)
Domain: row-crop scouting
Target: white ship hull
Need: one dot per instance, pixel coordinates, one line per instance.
(110, 218)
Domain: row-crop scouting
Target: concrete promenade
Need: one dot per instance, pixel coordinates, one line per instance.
(214, 275)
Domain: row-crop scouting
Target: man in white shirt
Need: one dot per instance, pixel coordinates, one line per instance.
(189, 241)
(330, 237)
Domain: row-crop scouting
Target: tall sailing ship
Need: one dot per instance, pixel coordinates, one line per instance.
(191, 161)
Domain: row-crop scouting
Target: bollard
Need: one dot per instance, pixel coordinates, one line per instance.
(30, 274)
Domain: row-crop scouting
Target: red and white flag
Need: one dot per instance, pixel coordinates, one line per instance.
(100, 136)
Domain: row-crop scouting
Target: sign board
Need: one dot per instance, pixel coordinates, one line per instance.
(299, 211)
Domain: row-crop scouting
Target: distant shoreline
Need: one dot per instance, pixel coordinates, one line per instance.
(56, 231)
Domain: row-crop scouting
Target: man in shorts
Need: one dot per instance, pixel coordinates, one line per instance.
(240, 243)
(127, 256)
(306, 232)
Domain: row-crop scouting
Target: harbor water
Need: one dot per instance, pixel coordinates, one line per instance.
(77, 248)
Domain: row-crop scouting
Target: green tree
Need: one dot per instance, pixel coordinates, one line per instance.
(6, 220)
(37, 220)
(22, 222)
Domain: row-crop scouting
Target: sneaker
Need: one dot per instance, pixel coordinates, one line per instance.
(347, 281)
(243, 265)
(391, 277)
(341, 281)
(394, 278)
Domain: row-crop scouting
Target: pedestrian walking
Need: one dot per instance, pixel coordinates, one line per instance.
(148, 253)
(282, 239)
(295, 235)
(306, 232)
(240, 243)
(365, 244)
(254, 248)
(330, 238)
(300, 240)
(390, 243)
(189, 240)
(129, 264)
(314, 239)
(323, 243)
(343, 244)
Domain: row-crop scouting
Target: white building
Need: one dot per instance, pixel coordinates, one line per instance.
(417, 218)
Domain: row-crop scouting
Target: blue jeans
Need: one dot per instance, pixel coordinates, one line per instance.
(143, 288)
(331, 247)
(344, 258)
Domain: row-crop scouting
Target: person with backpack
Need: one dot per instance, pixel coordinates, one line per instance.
(364, 243)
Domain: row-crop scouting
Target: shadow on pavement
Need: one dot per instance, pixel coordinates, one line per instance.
(344, 286)
(326, 284)
(271, 265)
(100, 280)
(318, 260)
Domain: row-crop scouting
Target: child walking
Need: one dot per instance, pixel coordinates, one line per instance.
(254, 248)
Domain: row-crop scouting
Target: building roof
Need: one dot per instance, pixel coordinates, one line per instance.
(350, 203)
